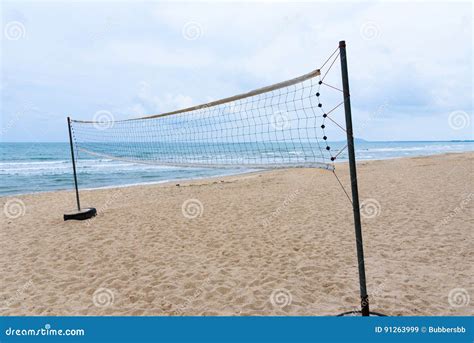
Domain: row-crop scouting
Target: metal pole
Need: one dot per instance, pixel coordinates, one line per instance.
(355, 193)
(73, 164)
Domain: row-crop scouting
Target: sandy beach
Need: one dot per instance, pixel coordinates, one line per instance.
(267, 243)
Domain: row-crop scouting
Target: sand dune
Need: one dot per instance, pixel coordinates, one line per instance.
(267, 243)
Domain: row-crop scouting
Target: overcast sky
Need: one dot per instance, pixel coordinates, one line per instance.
(410, 64)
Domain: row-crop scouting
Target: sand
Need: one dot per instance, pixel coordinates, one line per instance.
(267, 243)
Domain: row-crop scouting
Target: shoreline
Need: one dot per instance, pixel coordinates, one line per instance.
(138, 184)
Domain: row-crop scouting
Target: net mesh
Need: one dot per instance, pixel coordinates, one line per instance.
(282, 125)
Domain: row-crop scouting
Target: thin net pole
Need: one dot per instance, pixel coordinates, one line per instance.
(278, 126)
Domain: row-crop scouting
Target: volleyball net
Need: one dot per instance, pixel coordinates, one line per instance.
(278, 126)
(282, 125)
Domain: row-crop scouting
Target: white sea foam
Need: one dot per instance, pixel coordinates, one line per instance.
(54, 172)
(63, 167)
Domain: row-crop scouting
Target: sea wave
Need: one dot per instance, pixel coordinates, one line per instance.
(427, 148)
(64, 166)
(47, 167)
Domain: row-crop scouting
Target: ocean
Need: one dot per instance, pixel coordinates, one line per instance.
(41, 167)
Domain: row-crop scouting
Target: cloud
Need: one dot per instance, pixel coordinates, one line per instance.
(147, 102)
(416, 57)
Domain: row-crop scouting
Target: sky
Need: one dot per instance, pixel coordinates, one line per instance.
(410, 63)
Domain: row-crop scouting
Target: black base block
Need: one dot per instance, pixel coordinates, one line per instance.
(359, 314)
(83, 214)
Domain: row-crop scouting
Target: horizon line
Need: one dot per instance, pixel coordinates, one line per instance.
(338, 141)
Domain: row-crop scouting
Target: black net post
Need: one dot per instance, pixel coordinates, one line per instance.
(73, 164)
(355, 193)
